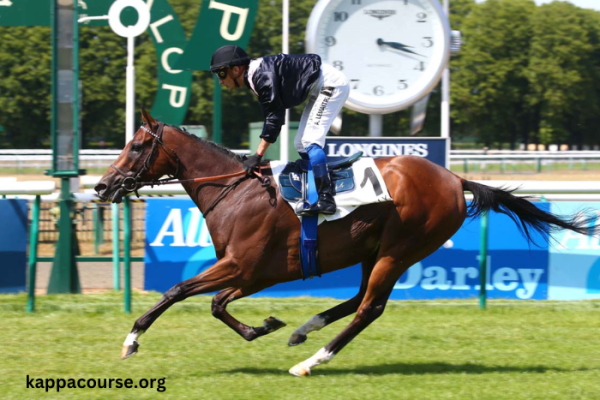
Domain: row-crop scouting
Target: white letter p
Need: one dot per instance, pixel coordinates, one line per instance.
(228, 10)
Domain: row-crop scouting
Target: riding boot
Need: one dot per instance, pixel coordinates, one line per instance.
(325, 204)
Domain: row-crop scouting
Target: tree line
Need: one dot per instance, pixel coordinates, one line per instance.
(525, 74)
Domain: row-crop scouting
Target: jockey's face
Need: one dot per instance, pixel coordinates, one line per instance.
(233, 73)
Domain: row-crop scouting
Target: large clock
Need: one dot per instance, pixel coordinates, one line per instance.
(392, 51)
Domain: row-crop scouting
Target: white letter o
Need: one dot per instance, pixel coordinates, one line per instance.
(114, 18)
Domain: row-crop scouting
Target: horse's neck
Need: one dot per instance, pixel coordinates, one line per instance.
(203, 160)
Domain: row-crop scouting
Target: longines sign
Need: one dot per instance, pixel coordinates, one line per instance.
(435, 149)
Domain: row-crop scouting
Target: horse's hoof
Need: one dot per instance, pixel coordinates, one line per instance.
(272, 324)
(299, 370)
(128, 351)
(296, 339)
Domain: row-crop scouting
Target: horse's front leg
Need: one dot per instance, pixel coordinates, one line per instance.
(219, 311)
(217, 277)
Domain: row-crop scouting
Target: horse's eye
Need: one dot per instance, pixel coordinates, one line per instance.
(136, 147)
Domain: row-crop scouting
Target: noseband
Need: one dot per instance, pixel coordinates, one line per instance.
(132, 181)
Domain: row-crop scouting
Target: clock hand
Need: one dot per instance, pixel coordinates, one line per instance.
(397, 46)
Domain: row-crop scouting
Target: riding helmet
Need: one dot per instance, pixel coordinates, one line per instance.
(228, 56)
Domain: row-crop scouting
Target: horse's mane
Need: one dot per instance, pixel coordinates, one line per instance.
(216, 146)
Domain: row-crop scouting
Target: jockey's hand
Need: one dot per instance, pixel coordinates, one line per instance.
(252, 162)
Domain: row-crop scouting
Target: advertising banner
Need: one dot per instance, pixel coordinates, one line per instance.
(13, 245)
(178, 247)
(435, 149)
(574, 260)
(515, 269)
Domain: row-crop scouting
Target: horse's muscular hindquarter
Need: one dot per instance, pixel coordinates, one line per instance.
(426, 196)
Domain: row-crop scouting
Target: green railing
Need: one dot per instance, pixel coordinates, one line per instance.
(37, 189)
(116, 259)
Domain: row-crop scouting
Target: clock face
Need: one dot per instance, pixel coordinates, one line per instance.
(392, 51)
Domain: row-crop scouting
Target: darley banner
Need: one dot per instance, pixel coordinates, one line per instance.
(178, 247)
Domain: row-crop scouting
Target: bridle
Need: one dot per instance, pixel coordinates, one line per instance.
(132, 181)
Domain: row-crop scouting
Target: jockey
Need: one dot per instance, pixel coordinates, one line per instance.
(283, 81)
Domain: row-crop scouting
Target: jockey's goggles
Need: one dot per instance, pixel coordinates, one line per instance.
(221, 73)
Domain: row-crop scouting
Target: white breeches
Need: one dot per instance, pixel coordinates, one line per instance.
(325, 101)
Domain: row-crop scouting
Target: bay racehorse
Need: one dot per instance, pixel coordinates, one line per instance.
(256, 233)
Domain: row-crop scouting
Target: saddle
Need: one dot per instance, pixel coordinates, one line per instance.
(293, 180)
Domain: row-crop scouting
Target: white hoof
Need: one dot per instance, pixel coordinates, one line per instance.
(299, 370)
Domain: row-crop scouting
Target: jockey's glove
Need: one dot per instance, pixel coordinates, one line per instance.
(252, 162)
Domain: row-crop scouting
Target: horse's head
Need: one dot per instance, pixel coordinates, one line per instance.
(144, 158)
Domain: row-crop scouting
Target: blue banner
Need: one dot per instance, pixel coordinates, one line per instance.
(435, 149)
(178, 247)
(13, 245)
(515, 269)
(574, 260)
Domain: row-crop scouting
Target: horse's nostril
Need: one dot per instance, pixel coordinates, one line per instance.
(100, 187)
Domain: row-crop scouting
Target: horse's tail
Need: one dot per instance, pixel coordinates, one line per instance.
(525, 214)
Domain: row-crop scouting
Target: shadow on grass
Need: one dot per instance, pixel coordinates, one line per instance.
(416, 369)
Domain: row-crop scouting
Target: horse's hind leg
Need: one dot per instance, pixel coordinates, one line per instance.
(219, 311)
(215, 278)
(393, 259)
(338, 312)
(370, 309)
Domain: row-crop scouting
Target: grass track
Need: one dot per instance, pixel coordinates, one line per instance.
(416, 350)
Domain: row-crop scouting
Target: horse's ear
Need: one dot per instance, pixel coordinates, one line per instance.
(147, 118)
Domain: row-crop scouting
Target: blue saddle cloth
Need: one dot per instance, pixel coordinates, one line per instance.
(291, 180)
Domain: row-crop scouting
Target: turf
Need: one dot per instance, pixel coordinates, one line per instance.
(416, 350)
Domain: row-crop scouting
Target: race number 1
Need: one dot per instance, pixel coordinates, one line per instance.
(370, 175)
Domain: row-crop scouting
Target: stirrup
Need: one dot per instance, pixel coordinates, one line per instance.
(315, 209)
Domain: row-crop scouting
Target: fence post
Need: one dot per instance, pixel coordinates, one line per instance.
(95, 218)
(98, 226)
(127, 253)
(115, 245)
(483, 261)
(33, 245)
(539, 164)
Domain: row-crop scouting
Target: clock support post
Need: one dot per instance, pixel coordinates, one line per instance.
(445, 128)
(376, 125)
